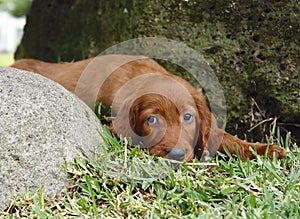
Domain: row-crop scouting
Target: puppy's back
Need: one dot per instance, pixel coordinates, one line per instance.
(66, 74)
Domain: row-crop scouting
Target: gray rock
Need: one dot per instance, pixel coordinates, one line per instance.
(42, 125)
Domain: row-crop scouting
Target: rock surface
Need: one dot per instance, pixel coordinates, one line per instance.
(42, 125)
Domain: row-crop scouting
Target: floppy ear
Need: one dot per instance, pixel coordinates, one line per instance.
(210, 136)
(125, 121)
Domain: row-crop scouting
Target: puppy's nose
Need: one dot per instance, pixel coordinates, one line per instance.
(176, 154)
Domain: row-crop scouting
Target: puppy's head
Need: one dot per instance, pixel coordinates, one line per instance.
(165, 126)
(166, 115)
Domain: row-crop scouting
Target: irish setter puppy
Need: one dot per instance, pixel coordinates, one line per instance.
(158, 110)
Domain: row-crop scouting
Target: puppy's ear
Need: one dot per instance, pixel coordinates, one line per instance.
(125, 120)
(134, 113)
(210, 136)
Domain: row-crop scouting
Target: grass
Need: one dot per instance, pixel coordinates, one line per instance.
(6, 59)
(126, 182)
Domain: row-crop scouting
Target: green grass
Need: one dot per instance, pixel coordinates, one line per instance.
(126, 182)
(6, 59)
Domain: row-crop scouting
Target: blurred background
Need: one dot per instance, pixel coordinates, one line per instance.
(12, 22)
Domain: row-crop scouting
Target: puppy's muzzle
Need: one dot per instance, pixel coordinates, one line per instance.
(176, 154)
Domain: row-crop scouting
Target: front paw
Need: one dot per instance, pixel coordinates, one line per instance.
(279, 152)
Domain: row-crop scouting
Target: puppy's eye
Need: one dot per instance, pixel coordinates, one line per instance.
(187, 117)
(152, 120)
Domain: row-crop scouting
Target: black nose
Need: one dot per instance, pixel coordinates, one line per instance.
(176, 154)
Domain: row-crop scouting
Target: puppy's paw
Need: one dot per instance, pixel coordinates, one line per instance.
(279, 152)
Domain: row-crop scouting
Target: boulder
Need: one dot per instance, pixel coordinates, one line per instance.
(42, 126)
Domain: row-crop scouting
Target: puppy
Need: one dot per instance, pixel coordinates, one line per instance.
(158, 110)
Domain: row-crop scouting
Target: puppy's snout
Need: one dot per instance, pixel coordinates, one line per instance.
(176, 154)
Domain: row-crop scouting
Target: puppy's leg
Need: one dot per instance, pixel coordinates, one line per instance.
(243, 147)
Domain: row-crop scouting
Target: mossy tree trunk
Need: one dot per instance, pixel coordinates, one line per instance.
(253, 46)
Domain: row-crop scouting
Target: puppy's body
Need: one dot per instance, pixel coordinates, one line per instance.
(161, 111)
(66, 74)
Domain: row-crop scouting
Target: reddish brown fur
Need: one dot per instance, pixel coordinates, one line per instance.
(133, 100)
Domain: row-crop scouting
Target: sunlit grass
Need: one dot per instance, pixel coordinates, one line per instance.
(126, 182)
(6, 59)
